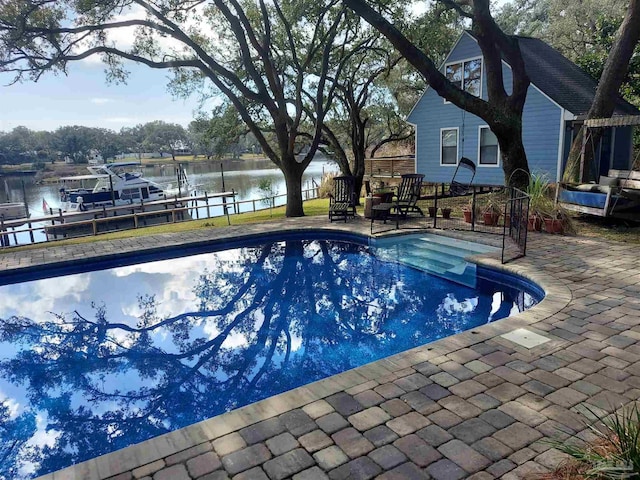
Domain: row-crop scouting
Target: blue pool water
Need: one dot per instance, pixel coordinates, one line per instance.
(94, 361)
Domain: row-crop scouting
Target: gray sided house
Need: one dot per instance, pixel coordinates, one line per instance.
(559, 97)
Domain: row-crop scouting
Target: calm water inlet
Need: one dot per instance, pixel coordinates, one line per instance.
(93, 362)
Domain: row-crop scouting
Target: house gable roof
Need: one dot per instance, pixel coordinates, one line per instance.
(556, 76)
(562, 80)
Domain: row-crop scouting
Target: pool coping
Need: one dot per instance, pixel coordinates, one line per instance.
(147, 453)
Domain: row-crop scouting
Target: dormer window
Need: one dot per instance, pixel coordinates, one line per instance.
(467, 75)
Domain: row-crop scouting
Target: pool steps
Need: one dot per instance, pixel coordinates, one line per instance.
(435, 254)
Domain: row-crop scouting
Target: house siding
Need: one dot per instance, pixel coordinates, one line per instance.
(541, 129)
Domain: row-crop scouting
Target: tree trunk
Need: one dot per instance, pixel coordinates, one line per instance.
(293, 180)
(572, 169)
(604, 101)
(358, 173)
(514, 157)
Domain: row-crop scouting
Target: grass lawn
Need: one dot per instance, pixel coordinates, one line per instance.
(607, 229)
(311, 208)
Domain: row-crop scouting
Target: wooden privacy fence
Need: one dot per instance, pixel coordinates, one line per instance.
(389, 167)
(134, 216)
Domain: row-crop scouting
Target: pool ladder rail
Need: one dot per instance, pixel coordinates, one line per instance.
(439, 255)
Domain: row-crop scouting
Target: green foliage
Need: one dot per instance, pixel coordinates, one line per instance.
(616, 453)
(267, 191)
(524, 17)
(538, 191)
(163, 137)
(592, 60)
(220, 134)
(582, 30)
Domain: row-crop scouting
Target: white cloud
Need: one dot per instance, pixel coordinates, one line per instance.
(100, 100)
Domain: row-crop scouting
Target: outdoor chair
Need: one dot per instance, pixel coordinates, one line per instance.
(405, 201)
(408, 194)
(342, 202)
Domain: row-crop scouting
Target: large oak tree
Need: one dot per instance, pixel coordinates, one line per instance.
(604, 103)
(254, 52)
(502, 111)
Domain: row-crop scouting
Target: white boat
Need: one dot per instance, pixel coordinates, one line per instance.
(115, 190)
(116, 184)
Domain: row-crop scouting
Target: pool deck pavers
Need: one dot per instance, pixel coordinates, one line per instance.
(474, 405)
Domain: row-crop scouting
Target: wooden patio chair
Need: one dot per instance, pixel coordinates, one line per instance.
(342, 202)
(408, 194)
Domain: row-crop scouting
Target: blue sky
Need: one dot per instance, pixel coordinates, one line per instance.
(84, 97)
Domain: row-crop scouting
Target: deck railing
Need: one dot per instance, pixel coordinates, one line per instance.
(125, 217)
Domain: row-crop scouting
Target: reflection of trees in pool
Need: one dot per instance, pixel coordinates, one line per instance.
(15, 432)
(275, 317)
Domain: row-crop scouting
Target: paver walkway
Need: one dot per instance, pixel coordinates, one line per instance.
(473, 405)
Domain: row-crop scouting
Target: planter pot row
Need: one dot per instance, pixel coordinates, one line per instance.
(489, 218)
(446, 212)
(551, 225)
(534, 224)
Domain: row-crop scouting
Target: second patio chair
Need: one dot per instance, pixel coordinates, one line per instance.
(342, 202)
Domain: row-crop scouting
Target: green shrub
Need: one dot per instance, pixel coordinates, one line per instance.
(616, 452)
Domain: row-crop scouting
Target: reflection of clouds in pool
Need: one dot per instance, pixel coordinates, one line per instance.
(12, 405)
(36, 299)
(450, 305)
(40, 439)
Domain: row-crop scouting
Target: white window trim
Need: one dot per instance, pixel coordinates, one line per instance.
(457, 129)
(486, 165)
(463, 61)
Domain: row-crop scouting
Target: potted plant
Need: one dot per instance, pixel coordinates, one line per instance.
(492, 209)
(433, 211)
(534, 222)
(467, 211)
(557, 220)
(446, 212)
(539, 201)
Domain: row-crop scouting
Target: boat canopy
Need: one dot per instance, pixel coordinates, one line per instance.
(118, 164)
(83, 177)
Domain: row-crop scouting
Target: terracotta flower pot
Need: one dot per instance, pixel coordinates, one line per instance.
(534, 224)
(467, 215)
(553, 225)
(490, 218)
(446, 213)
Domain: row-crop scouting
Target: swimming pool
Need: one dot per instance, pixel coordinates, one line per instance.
(94, 361)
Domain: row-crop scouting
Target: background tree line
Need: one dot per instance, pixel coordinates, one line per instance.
(215, 136)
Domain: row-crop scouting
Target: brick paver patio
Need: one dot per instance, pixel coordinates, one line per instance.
(474, 405)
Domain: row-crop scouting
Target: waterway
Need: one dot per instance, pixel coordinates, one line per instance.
(243, 178)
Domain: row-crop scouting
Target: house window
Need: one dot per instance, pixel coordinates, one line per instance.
(449, 146)
(488, 150)
(466, 75)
